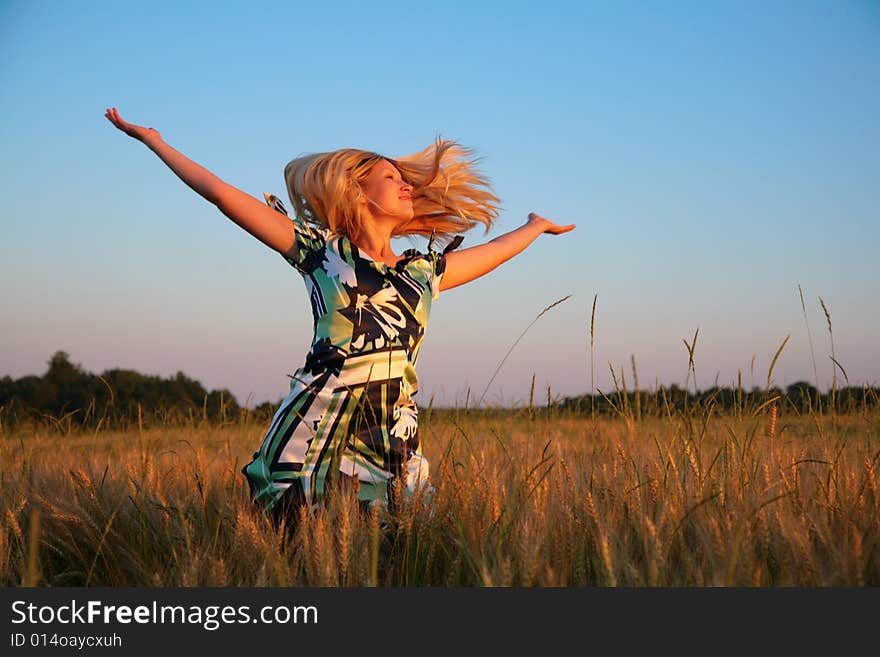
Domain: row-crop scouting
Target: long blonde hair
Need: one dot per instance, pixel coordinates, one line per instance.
(448, 194)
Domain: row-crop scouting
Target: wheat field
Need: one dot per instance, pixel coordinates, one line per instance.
(522, 498)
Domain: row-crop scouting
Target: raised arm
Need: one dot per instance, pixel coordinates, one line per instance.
(268, 225)
(468, 264)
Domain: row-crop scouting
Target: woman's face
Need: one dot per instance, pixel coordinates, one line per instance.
(386, 193)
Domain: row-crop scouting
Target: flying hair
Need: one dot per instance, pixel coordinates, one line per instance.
(449, 196)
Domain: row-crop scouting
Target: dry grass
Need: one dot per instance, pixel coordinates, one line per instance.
(522, 499)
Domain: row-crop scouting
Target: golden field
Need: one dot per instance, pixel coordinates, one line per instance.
(522, 498)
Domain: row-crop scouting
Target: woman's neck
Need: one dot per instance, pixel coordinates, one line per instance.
(376, 243)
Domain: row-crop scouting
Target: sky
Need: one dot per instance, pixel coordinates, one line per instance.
(714, 156)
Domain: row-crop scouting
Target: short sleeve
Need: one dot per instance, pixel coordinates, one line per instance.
(438, 266)
(438, 262)
(310, 239)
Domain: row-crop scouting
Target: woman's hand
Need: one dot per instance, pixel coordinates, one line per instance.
(469, 264)
(138, 132)
(548, 226)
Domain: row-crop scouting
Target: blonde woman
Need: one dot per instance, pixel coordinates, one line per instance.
(350, 414)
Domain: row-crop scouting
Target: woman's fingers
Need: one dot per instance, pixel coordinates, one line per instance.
(113, 116)
(551, 227)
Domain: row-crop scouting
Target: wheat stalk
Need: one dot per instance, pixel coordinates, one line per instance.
(810, 338)
(771, 425)
(497, 369)
(773, 362)
(592, 368)
(831, 336)
(636, 387)
(690, 349)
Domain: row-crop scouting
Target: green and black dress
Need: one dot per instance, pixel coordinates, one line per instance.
(350, 409)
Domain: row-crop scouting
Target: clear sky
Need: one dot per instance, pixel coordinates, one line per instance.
(713, 156)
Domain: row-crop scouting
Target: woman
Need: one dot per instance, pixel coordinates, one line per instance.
(350, 415)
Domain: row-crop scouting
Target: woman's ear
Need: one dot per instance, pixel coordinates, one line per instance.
(360, 197)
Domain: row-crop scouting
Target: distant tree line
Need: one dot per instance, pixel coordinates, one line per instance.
(68, 396)
(800, 397)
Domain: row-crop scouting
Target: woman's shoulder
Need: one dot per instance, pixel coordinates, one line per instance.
(313, 229)
(453, 244)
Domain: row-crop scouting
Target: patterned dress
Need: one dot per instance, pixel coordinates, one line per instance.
(350, 408)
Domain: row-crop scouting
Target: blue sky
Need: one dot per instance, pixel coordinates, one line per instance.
(713, 156)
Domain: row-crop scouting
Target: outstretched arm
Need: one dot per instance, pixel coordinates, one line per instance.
(266, 224)
(468, 264)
